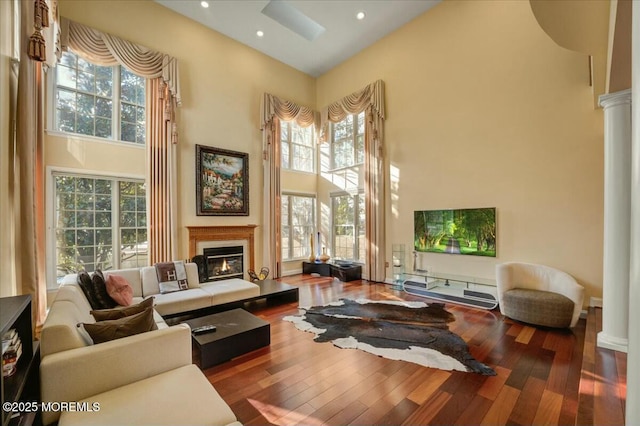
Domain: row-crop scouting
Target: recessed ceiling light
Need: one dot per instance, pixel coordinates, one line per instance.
(360, 16)
(204, 4)
(260, 33)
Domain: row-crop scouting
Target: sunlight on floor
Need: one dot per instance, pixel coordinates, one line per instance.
(282, 416)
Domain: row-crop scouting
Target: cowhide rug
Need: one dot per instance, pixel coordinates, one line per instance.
(408, 331)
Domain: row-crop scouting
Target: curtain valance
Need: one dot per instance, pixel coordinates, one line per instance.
(273, 106)
(108, 50)
(371, 96)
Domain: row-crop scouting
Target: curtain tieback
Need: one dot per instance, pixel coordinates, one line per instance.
(37, 47)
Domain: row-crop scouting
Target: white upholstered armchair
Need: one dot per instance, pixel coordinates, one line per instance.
(538, 294)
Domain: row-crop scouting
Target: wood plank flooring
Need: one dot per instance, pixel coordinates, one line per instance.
(540, 377)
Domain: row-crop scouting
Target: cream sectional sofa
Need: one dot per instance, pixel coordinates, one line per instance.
(147, 378)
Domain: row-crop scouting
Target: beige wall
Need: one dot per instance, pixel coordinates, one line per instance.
(221, 82)
(484, 110)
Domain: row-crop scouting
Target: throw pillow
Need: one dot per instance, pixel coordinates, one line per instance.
(100, 290)
(120, 290)
(172, 276)
(117, 313)
(105, 331)
(84, 281)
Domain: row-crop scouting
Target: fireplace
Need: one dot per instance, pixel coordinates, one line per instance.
(224, 262)
(238, 239)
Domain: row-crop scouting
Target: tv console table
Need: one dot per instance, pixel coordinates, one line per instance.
(470, 291)
(343, 272)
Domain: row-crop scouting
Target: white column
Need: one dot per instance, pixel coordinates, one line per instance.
(633, 366)
(617, 222)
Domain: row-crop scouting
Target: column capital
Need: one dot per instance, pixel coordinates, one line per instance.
(617, 98)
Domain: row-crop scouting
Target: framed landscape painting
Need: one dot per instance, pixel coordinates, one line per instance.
(222, 182)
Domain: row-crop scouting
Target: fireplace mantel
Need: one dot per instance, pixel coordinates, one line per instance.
(222, 233)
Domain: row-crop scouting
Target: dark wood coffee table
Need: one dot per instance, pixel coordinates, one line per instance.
(238, 332)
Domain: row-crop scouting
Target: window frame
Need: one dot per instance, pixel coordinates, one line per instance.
(290, 143)
(116, 113)
(51, 228)
(314, 225)
(357, 225)
(353, 141)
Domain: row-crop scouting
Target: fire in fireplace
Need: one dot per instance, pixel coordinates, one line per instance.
(224, 262)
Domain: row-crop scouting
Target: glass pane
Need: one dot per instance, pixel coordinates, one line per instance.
(128, 220)
(141, 133)
(104, 108)
(103, 237)
(128, 237)
(103, 127)
(84, 202)
(68, 59)
(103, 220)
(284, 149)
(66, 77)
(140, 115)
(142, 219)
(128, 113)
(85, 237)
(104, 81)
(86, 66)
(128, 132)
(127, 203)
(86, 82)
(84, 219)
(103, 187)
(85, 185)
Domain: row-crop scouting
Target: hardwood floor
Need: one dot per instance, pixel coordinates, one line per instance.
(298, 381)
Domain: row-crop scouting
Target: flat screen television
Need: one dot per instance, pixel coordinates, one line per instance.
(459, 231)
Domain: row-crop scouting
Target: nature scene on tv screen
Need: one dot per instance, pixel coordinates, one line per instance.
(463, 231)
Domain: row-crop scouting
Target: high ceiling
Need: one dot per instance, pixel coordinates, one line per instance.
(312, 36)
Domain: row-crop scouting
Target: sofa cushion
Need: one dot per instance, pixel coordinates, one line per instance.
(104, 331)
(117, 313)
(176, 397)
(182, 301)
(538, 307)
(226, 291)
(119, 289)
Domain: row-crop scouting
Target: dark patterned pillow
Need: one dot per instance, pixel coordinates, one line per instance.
(103, 299)
(85, 283)
(117, 313)
(103, 331)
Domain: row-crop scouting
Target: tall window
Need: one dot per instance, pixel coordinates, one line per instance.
(99, 223)
(297, 146)
(107, 102)
(347, 141)
(348, 221)
(298, 224)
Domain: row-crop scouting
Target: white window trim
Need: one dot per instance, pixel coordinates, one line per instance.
(360, 193)
(354, 142)
(50, 241)
(315, 215)
(313, 147)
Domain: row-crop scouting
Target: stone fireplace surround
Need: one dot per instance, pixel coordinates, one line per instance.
(201, 237)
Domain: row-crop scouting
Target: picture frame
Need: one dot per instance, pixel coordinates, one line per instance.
(222, 182)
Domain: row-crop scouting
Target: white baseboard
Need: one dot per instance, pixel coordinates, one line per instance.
(595, 302)
(294, 272)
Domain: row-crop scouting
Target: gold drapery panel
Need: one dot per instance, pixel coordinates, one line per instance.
(28, 195)
(161, 175)
(108, 50)
(371, 100)
(273, 106)
(163, 95)
(273, 110)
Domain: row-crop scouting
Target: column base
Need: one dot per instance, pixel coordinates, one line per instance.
(611, 342)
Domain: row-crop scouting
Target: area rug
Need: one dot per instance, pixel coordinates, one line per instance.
(410, 331)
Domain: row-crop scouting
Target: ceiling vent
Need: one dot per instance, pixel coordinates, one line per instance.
(287, 15)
